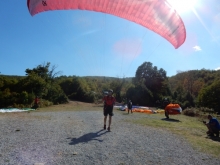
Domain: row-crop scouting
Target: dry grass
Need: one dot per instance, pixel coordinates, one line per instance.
(191, 128)
(72, 106)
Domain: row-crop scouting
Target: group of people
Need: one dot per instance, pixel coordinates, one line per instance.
(213, 125)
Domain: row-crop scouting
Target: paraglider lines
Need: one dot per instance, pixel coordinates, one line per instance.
(203, 24)
(137, 50)
(127, 27)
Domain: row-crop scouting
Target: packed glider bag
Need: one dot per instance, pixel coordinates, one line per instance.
(156, 15)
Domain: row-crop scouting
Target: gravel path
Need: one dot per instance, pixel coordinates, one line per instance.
(69, 138)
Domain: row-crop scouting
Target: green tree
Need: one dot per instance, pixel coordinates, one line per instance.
(23, 97)
(140, 95)
(154, 80)
(81, 90)
(210, 96)
(44, 71)
(7, 98)
(41, 71)
(55, 94)
(67, 86)
(117, 86)
(33, 83)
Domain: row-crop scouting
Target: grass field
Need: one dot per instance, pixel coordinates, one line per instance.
(191, 128)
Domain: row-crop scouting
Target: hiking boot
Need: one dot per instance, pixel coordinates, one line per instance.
(109, 129)
(104, 126)
(217, 134)
(208, 132)
(211, 134)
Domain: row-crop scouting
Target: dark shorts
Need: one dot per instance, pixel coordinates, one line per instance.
(108, 110)
(213, 129)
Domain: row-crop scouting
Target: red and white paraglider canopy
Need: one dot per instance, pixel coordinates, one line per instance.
(156, 15)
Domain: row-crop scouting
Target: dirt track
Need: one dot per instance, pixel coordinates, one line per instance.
(77, 137)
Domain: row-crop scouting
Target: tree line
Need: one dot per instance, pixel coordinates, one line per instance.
(149, 87)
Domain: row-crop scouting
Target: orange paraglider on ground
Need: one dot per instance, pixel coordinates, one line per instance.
(172, 109)
(143, 110)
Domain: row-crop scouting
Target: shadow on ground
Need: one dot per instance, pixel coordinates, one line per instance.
(88, 137)
(214, 138)
(171, 120)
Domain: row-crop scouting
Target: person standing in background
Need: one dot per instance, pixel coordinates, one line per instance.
(129, 106)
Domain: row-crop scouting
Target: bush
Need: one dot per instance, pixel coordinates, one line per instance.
(19, 106)
(45, 103)
(193, 112)
(207, 110)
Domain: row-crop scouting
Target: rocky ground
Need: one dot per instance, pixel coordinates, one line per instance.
(77, 137)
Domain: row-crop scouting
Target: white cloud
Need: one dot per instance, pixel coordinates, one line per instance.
(217, 68)
(197, 48)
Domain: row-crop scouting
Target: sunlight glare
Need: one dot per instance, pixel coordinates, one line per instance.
(182, 6)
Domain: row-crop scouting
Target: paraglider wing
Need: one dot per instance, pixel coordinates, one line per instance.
(173, 109)
(156, 15)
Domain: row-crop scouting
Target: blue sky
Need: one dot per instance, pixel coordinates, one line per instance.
(85, 43)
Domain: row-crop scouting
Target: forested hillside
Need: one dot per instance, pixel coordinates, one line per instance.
(197, 88)
(150, 87)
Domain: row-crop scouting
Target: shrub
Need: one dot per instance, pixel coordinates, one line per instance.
(207, 110)
(193, 112)
(45, 103)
